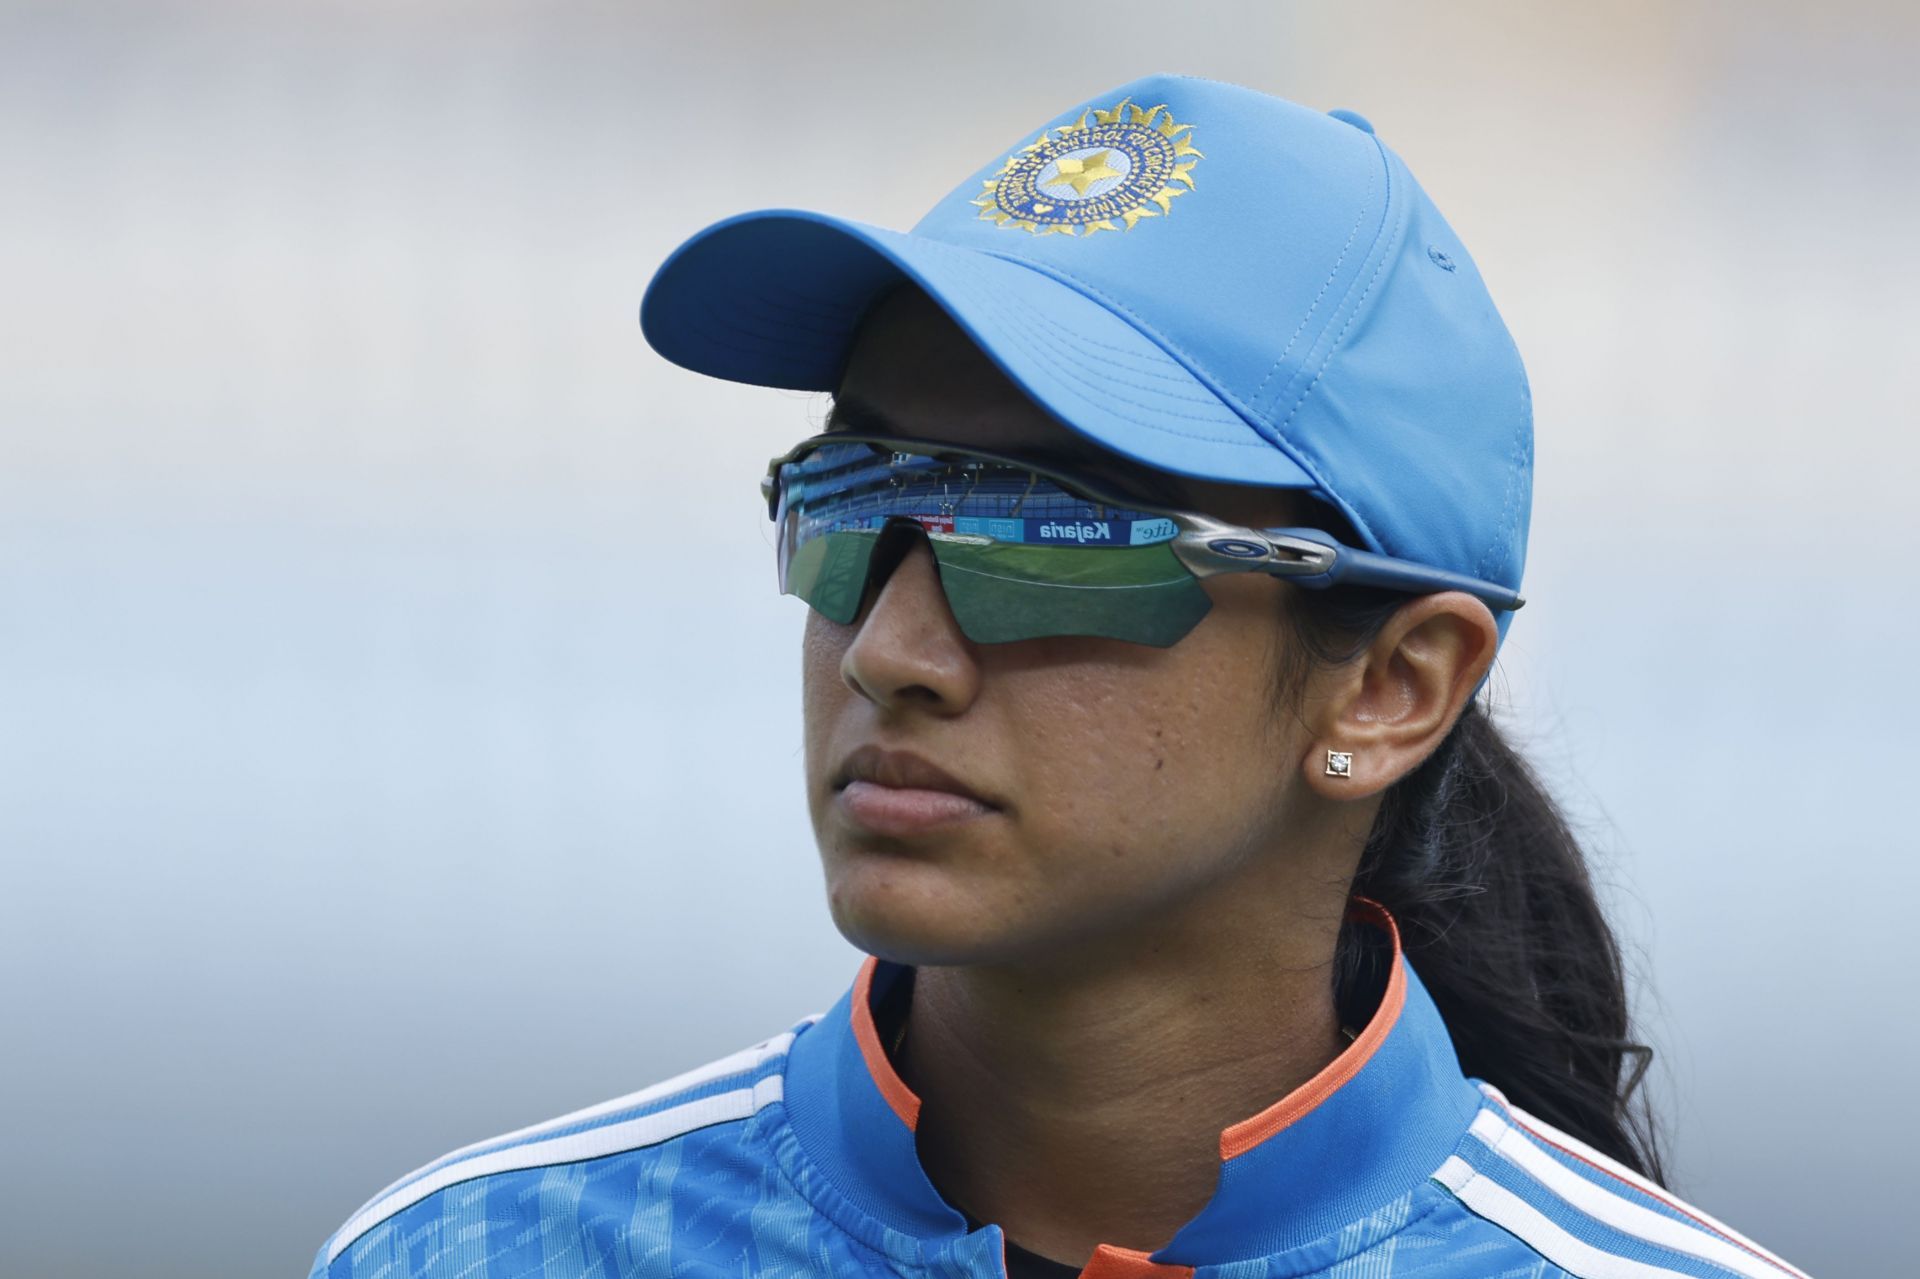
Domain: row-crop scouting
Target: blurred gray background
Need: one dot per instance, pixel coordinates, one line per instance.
(371, 782)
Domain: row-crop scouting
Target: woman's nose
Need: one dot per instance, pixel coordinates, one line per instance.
(908, 650)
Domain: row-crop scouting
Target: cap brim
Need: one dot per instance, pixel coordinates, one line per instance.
(774, 298)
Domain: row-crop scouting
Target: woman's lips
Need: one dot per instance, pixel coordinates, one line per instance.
(898, 793)
(905, 810)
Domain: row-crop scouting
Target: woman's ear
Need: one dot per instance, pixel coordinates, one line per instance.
(1376, 718)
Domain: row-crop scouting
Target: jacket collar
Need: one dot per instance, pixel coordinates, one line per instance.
(1370, 1127)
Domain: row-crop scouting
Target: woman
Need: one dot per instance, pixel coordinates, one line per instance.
(1170, 514)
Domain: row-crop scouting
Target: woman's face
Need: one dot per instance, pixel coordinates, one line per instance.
(1112, 782)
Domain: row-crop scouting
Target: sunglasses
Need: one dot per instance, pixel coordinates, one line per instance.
(1026, 553)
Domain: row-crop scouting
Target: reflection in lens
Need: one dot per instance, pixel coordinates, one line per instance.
(1020, 556)
(1006, 591)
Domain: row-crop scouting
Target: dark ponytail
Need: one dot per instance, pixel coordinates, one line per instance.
(1497, 913)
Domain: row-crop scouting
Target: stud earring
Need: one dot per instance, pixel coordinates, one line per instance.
(1339, 763)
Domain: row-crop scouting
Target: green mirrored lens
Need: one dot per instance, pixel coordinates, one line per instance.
(1006, 591)
(829, 572)
(1021, 555)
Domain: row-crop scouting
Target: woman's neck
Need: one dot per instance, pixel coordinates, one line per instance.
(1079, 1100)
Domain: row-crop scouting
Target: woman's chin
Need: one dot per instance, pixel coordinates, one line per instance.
(914, 912)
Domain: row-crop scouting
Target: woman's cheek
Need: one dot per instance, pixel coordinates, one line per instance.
(1099, 797)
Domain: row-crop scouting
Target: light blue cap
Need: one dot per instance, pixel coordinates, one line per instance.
(1206, 279)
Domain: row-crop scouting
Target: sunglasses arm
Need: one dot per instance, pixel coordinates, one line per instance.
(1313, 559)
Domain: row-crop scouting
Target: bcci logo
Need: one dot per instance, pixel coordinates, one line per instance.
(1109, 170)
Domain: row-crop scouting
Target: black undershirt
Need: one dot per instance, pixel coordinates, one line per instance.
(1022, 1264)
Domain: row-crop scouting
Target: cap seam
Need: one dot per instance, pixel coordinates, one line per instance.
(777, 297)
(1046, 331)
(1175, 350)
(771, 347)
(1326, 284)
(1502, 540)
(1120, 350)
(1333, 348)
(1503, 534)
(1156, 418)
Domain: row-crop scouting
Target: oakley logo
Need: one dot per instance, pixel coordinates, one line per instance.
(1100, 532)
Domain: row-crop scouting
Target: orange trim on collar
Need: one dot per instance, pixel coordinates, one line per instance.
(1111, 1262)
(902, 1098)
(1235, 1140)
(1248, 1133)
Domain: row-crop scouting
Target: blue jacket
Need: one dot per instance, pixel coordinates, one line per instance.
(796, 1157)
